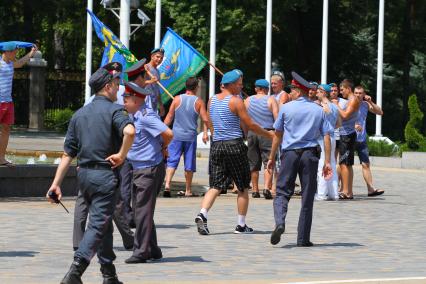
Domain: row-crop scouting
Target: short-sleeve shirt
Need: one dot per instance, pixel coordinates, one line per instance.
(152, 100)
(302, 122)
(6, 81)
(146, 149)
(96, 131)
(361, 136)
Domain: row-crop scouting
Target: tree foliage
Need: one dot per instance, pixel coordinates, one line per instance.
(415, 140)
(60, 27)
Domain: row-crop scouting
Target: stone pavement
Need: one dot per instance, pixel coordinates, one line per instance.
(367, 238)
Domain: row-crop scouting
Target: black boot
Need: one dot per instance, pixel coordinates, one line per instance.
(109, 274)
(77, 269)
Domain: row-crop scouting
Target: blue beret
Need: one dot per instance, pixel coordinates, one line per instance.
(262, 83)
(326, 87)
(239, 72)
(230, 77)
(158, 49)
(9, 46)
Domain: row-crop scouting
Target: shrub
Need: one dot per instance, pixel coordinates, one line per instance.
(415, 140)
(58, 119)
(382, 148)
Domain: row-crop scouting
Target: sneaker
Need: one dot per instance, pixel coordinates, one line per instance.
(167, 194)
(201, 222)
(255, 194)
(243, 230)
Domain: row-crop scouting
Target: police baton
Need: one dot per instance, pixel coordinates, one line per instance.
(52, 195)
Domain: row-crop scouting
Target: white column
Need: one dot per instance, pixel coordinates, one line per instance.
(88, 50)
(212, 47)
(157, 23)
(380, 65)
(125, 22)
(324, 42)
(268, 40)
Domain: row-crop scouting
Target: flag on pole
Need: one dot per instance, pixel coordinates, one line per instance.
(180, 62)
(114, 50)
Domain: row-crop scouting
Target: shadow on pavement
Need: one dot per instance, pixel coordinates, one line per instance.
(174, 226)
(181, 259)
(130, 250)
(290, 246)
(18, 253)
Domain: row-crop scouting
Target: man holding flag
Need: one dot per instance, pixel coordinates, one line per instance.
(8, 63)
(152, 77)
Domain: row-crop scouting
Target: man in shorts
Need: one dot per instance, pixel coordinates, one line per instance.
(349, 115)
(185, 109)
(228, 153)
(8, 63)
(367, 105)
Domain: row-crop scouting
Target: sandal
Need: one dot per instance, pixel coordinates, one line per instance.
(376, 192)
(344, 196)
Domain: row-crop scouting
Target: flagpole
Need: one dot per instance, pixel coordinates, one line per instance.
(268, 40)
(380, 66)
(212, 60)
(125, 22)
(324, 42)
(88, 51)
(157, 23)
(159, 84)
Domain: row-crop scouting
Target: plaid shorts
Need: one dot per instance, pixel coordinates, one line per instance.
(228, 159)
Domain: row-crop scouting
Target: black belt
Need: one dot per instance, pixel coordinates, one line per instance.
(96, 166)
(301, 150)
(230, 142)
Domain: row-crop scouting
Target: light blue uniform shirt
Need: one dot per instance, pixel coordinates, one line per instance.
(146, 148)
(362, 117)
(6, 80)
(302, 122)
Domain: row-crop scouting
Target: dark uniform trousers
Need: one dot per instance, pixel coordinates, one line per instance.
(81, 211)
(99, 191)
(126, 178)
(305, 163)
(146, 186)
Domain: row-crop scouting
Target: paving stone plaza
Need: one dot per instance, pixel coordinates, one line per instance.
(367, 238)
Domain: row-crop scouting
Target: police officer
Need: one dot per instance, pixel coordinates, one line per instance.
(146, 156)
(122, 213)
(100, 134)
(302, 121)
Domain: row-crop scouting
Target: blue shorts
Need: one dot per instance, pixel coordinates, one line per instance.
(188, 148)
(362, 149)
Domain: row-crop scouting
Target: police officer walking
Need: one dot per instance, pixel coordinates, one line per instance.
(302, 121)
(147, 156)
(99, 134)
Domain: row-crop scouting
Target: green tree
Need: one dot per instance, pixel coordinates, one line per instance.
(415, 140)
